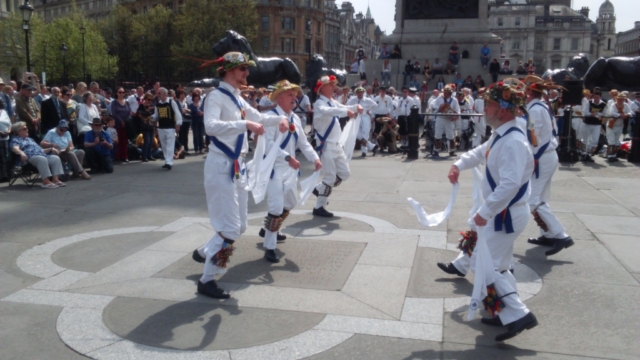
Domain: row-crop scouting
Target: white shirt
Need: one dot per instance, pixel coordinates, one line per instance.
(133, 103)
(614, 113)
(453, 103)
(366, 103)
(223, 120)
(430, 101)
(635, 106)
(302, 105)
(85, 117)
(543, 125)
(478, 106)
(324, 110)
(466, 107)
(404, 106)
(177, 110)
(265, 102)
(271, 134)
(510, 164)
(385, 105)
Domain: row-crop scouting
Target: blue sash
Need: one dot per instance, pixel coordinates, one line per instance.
(537, 156)
(504, 218)
(285, 142)
(233, 155)
(322, 138)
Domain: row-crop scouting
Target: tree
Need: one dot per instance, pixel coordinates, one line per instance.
(122, 32)
(12, 41)
(202, 23)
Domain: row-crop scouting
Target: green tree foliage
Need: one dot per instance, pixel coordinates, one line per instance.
(122, 32)
(48, 39)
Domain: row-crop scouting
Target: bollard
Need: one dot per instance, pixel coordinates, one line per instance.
(413, 129)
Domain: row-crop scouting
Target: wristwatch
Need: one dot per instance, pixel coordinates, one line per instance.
(287, 158)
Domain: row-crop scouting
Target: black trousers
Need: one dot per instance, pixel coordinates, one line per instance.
(183, 136)
(98, 162)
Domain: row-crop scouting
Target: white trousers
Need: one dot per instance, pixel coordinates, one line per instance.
(590, 135)
(444, 126)
(227, 205)
(278, 200)
(303, 120)
(334, 164)
(614, 134)
(168, 142)
(479, 131)
(364, 133)
(541, 194)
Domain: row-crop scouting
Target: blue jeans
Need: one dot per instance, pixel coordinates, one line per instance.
(146, 147)
(386, 75)
(409, 75)
(455, 59)
(198, 135)
(484, 60)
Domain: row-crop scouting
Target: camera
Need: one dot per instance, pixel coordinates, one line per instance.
(101, 139)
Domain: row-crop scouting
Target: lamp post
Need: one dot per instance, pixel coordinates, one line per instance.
(26, 10)
(63, 51)
(83, 30)
(310, 34)
(44, 60)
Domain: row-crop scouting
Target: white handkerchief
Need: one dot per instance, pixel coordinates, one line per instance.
(437, 218)
(307, 185)
(349, 135)
(483, 272)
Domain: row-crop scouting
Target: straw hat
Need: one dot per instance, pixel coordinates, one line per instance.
(325, 80)
(281, 87)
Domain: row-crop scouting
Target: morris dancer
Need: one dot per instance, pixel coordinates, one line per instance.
(365, 123)
(505, 212)
(592, 110)
(480, 127)
(445, 104)
(544, 143)
(282, 200)
(618, 112)
(326, 123)
(225, 120)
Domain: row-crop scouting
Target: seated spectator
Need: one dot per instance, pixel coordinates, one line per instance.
(494, 69)
(354, 68)
(520, 70)
(5, 130)
(384, 52)
(376, 83)
(414, 83)
(154, 149)
(388, 137)
(97, 147)
(407, 73)
(417, 70)
(46, 161)
(396, 53)
(506, 68)
(426, 69)
(59, 138)
(458, 81)
(437, 69)
(485, 52)
(440, 84)
(449, 69)
(386, 72)
(468, 83)
(454, 54)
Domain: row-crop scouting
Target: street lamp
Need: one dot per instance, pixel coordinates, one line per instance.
(63, 51)
(310, 35)
(26, 10)
(83, 30)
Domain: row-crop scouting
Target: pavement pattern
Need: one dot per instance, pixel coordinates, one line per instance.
(102, 269)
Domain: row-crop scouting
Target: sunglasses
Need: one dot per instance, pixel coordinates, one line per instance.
(23, 129)
(120, 92)
(243, 68)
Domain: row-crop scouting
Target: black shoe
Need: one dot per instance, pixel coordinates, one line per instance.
(315, 192)
(145, 160)
(587, 158)
(165, 166)
(168, 167)
(375, 150)
(197, 257)
(281, 237)
(494, 321)
(559, 245)
(435, 154)
(527, 322)
(612, 160)
(321, 211)
(453, 153)
(450, 269)
(212, 290)
(542, 241)
(152, 159)
(364, 155)
(271, 256)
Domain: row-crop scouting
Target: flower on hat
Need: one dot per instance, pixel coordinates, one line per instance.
(324, 80)
(232, 60)
(506, 94)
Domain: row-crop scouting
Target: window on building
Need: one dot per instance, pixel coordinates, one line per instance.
(500, 21)
(307, 46)
(288, 45)
(557, 23)
(539, 45)
(288, 23)
(307, 25)
(265, 43)
(319, 30)
(591, 49)
(318, 47)
(609, 26)
(539, 23)
(575, 23)
(287, 2)
(515, 44)
(517, 21)
(609, 44)
(307, 3)
(170, 5)
(574, 44)
(556, 44)
(264, 22)
(555, 63)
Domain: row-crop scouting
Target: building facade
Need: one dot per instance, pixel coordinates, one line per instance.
(332, 52)
(604, 34)
(628, 42)
(291, 28)
(93, 9)
(357, 30)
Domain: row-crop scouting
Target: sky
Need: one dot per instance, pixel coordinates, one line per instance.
(383, 12)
